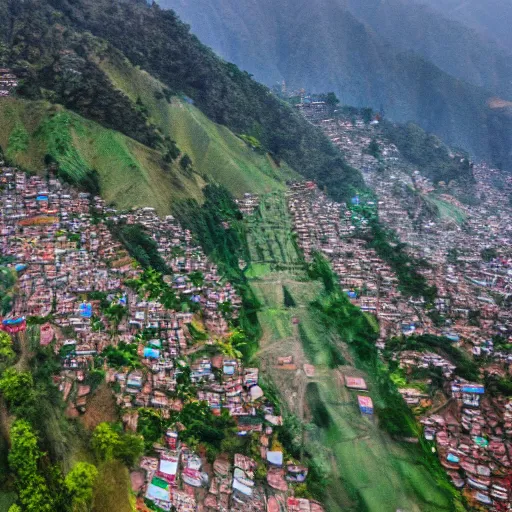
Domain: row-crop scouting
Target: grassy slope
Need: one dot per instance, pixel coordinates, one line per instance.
(215, 151)
(447, 210)
(112, 491)
(369, 471)
(131, 174)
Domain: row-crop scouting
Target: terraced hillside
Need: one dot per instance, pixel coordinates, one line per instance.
(367, 469)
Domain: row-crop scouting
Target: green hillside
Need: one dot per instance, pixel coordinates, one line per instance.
(215, 151)
(130, 174)
(367, 469)
(63, 48)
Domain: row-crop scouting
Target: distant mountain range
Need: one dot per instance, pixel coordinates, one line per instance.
(489, 17)
(406, 59)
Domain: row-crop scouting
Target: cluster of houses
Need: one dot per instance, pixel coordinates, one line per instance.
(472, 438)
(369, 282)
(8, 82)
(436, 226)
(469, 251)
(178, 477)
(75, 282)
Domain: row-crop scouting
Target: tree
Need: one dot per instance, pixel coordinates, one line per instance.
(150, 425)
(488, 254)
(80, 483)
(367, 114)
(130, 448)
(331, 99)
(24, 456)
(374, 149)
(196, 278)
(150, 284)
(115, 314)
(228, 350)
(7, 353)
(226, 309)
(452, 256)
(15, 385)
(185, 162)
(105, 441)
(7, 281)
(169, 299)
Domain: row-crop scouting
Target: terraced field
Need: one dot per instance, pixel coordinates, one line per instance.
(369, 471)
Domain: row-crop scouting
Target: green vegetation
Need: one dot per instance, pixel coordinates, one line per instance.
(122, 355)
(80, 484)
(465, 367)
(24, 457)
(405, 60)
(18, 141)
(7, 282)
(47, 451)
(389, 248)
(374, 149)
(354, 463)
(56, 130)
(446, 210)
(289, 302)
(7, 353)
(15, 385)
(94, 158)
(489, 254)
(217, 226)
(151, 426)
(110, 443)
(158, 42)
(140, 245)
(216, 152)
(428, 153)
(112, 490)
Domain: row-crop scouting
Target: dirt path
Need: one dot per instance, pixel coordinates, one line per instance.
(23, 362)
(4, 421)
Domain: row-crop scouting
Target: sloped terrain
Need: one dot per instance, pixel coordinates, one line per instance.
(368, 470)
(59, 46)
(215, 151)
(130, 174)
(366, 57)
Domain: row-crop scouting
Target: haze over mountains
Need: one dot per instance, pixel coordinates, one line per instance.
(490, 17)
(408, 60)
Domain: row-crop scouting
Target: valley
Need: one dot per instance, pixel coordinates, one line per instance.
(216, 296)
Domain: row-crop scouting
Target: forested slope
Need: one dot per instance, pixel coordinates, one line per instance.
(52, 39)
(419, 68)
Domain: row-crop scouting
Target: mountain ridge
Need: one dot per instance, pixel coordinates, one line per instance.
(332, 49)
(59, 41)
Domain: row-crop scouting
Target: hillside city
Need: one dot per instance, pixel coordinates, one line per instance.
(165, 343)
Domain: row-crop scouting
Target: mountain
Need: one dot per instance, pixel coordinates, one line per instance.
(324, 45)
(491, 18)
(127, 77)
(450, 45)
